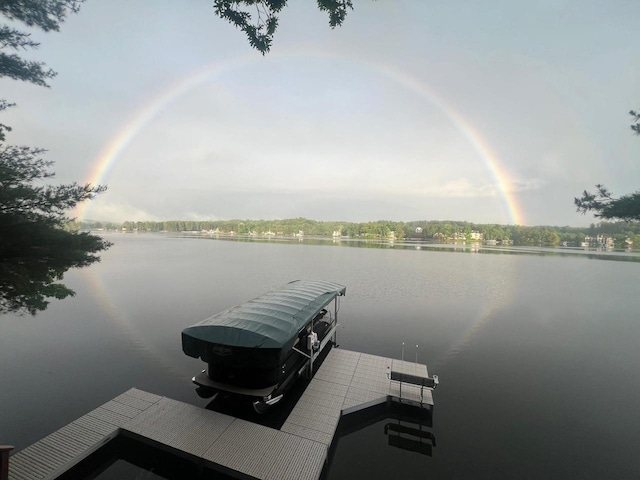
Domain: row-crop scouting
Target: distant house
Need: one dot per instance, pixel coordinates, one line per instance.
(418, 230)
(476, 235)
(599, 241)
(459, 237)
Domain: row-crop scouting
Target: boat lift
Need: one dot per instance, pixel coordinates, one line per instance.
(314, 346)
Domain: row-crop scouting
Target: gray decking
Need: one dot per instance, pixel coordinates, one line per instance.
(347, 381)
(64, 448)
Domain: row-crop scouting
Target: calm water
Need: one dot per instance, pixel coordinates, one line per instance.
(537, 354)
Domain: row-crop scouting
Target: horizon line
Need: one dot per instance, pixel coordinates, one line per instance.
(338, 221)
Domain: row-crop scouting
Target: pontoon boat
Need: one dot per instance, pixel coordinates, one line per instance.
(258, 349)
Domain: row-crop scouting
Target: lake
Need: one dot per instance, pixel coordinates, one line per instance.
(536, 349)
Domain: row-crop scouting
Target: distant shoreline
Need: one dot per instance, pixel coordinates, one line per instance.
(602, 235)
(407, 244)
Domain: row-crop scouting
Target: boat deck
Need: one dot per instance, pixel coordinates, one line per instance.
(346, 382)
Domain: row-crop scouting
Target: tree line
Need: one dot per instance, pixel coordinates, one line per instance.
(424, 230)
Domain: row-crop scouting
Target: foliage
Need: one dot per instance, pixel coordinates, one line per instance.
(636, 122)
(36, 244)
(604, 204)
(35, 247)
(44, 14)
(4, 128)
(258, 18)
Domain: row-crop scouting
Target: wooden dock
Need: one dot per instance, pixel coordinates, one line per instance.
(346, 382)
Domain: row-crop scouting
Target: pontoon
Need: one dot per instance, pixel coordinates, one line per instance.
(258, 349)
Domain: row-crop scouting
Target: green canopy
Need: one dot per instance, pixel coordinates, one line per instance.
(272, 320)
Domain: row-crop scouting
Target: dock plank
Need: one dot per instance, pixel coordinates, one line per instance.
(179, 425)
(289, 467)
(64, 444)
(108, 416)
(315, 422)
(48, 458)
(345, 382)
(335, 377)
(308, 409)
(308, 433)
(122, 408)
(77, 434)
(404, 366)
(141, 395)
(360, 395)
(327, 387)
(92, 426)
(247, 447)
(64, 448)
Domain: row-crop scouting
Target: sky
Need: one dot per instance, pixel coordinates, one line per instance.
(489, 112)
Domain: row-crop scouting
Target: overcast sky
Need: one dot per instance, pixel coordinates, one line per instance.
(490, 112)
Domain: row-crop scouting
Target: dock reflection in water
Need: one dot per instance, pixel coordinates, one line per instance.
(410, 437)
(390, 429)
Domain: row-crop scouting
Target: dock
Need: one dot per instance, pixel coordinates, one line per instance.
(345, 383)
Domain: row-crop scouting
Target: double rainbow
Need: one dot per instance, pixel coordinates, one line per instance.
(109, 156)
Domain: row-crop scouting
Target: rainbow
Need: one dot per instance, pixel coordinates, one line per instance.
(109, 156)
(482, 147)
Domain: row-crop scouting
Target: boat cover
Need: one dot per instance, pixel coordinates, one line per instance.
(271, 321)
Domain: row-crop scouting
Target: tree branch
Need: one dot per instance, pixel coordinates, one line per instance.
(636, 118)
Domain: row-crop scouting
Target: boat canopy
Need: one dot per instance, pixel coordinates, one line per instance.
(271, 321)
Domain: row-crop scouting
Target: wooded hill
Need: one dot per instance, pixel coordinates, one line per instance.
(433, 231)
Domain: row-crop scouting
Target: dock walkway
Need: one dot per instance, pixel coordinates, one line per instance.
(346, 382)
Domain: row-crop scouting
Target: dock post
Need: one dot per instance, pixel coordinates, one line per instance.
(310, 353)
(401, 380)
(416, 371)
(335, 321)
(4, 461)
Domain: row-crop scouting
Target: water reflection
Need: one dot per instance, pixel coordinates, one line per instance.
(379, 431)
(410, 437)
(626, 254)
(620, 255)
